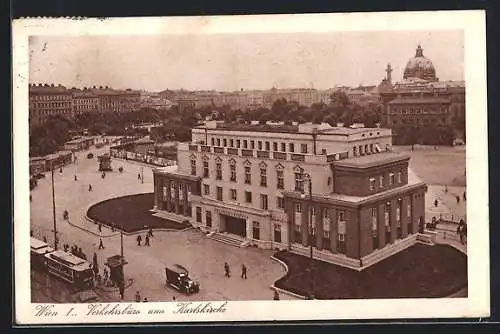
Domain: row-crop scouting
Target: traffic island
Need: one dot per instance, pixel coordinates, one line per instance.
(419, 271)
(131, 214)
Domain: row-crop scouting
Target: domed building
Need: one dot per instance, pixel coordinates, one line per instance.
(420, 100)
(420, 67)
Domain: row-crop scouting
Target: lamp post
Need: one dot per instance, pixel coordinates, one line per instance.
(308, 180)
(54, 207)
(142, 174)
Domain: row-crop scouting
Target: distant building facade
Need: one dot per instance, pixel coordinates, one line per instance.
(49, 100)
(248, 184)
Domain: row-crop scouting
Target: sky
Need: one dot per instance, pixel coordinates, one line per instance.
(239, 61)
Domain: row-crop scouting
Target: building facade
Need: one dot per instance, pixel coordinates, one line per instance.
(250, 184)
(420, 99)
(49, 100)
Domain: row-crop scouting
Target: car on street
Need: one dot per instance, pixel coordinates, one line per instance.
(90, 156)
(178, 278)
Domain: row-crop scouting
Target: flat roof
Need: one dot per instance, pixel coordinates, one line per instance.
(372, 160)
(425, 100)
(36, 244)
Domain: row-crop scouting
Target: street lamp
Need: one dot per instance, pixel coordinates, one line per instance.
(54, 207)
(142, 174)
(308, 180)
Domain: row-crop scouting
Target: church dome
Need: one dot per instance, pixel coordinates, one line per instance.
(420, 67)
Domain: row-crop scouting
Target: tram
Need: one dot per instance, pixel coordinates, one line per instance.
(38, 251)
(70, 268)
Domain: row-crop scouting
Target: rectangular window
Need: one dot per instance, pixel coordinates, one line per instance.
(248, 196)
(259, 145)
(391, 178)
(291, 147)
(218, 169)
(277, 233)
(218, 141)
(303, 148)
(245, 143)
(299, 182)
(231, 142)
(213, 141)
(381, 181)
(252, 144)
(297, 234)
(280, 180)
(198, 214)
(275, 146)
(372, 184)
(280, 202)
(193, 167)
(206, 189)
(219, 193)
(283, 147)
(233, 173)
(238, 143)
(326, 240)
(224, 142)
(233, 194)
(256, 230)
(263, 177)
(268, 146)
(298, 208)
(399, 177)
(205, 168)
(263, 202)
(248, 175)
(208, 217)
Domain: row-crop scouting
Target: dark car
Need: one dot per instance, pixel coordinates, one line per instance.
(90, 156)
(178, 278)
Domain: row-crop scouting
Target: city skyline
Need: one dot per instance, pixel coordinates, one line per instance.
(234, 62)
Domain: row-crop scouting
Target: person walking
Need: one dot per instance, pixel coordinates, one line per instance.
(146, 243)
(276, 295)
(76, 179)
(243, 271)
(137, 297)
(100, 227)
(122, 290)
(150, 232)
(139, 176)
(139, 239)
(458, 199)
(90, 187)
(101, 245)
(145, 300)
(465, 197)
(227, 270)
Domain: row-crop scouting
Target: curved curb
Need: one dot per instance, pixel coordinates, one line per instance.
(285, 266)
(91, 232)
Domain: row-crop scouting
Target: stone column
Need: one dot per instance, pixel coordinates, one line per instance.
(305, 224)
(168, 184)
(404, 217)
(393, 220)
(319, 227)
(415, 215)
(185, 198)
(332, 214)
(176, 197)
(290, 212)
(352, 234)
(381, 226)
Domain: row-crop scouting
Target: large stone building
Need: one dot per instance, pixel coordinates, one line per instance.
(420, 99)
(248, 184)
(48, 100)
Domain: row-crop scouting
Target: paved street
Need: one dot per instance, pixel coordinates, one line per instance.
(203, 257)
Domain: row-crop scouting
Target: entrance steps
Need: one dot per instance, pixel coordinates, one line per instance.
(171, 216)
(228, 239)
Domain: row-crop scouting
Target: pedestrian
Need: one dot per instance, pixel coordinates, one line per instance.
(101, 245)
(150, 232)
(45, 239)
(446, 189)
(226, 270)
(173, 298)
(100, 227)
(90, 187)
(60, 170)
(465, 197)
(76, 178)
(243, 271)
(30, 198)
(122, 290)
(137, 297)
(146, 243)
(31, 233)
(458, 199)
(435, 202)
(139, 239)
(145, 300)
(276, 295)
(139, 176)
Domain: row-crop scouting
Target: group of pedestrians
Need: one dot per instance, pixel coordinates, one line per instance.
(147, 239)
(227, 271)
(138, 298)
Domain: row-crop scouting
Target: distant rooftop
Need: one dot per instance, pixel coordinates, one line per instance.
(419, 100)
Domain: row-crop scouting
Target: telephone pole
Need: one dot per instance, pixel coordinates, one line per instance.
(54, 208)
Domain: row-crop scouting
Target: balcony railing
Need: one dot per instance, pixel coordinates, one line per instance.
(298, 157)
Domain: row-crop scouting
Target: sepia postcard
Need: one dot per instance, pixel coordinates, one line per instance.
(250, 168)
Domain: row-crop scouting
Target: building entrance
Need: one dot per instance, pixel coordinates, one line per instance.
(236, 226)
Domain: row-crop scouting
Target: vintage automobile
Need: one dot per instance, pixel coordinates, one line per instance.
(178, 278)
(90, 156)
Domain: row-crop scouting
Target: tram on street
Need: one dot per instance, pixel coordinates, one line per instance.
(37, 253)
(70, 268)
